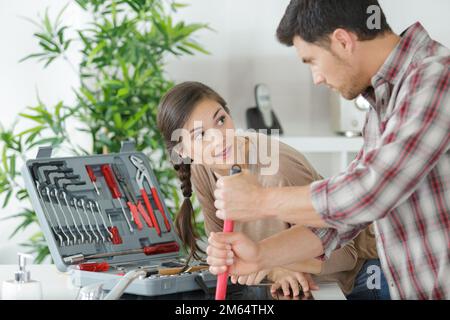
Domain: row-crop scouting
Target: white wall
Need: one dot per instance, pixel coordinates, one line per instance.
(244, 51)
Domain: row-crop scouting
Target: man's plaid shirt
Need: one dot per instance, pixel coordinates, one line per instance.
(401, 176)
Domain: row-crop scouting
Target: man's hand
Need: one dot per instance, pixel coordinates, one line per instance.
(291, 281)
(233, 251)
(240, 197)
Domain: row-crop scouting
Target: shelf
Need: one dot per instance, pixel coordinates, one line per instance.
(324, 144)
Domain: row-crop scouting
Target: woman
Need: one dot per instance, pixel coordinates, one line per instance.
(203, 144)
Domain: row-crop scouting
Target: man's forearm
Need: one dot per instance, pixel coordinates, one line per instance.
(292, 205)
(290, 246)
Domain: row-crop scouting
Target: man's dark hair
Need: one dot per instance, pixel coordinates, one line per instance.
(315, 20)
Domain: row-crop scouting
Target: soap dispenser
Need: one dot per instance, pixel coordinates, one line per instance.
(22, 287)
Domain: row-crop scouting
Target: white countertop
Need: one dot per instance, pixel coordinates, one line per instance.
(58, 286)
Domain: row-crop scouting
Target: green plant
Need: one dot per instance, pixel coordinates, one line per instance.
(121, 82)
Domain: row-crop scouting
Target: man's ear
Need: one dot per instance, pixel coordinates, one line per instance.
(344, 39)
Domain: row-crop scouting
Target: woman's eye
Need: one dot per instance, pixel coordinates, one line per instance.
(200, 135)
(221, 120)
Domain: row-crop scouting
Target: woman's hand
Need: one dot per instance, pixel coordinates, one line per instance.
(251, 279)
(286, 279)
(233, 252)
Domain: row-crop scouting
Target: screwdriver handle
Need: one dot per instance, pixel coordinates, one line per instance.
(160, 207)
(135, 214)
(144, 215)
(150, 211)
(161, 248)
(110, 181)
(116, 239)
(91, 174)
(94, 266)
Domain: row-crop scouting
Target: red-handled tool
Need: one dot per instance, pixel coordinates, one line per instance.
(148, 205)
(228, 226)
(136, 207)
(158, 248)
(141, 175)
(115, 192)
(93, 178)
(116, 238)
(160, 207)
(94, 266)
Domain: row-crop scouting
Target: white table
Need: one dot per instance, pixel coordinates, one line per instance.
(58, 286)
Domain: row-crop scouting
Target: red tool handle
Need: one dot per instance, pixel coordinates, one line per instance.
(94, 266)
(116, 239)
(162, 248)
(228, 226)
(135, 214)
(148, 205)
(160, 207)
(110, 181)
(91, 174)
(144, 215)
(222, 279)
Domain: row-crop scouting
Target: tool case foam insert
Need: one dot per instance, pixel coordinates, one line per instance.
(77, 221)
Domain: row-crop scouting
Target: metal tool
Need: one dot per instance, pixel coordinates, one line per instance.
(135, 206)
(81, 201)
(74, 203)
(91, 206)
(47, 193)
(47, 216)
(64, 195)
(97, 206)
(228, 225)
(93, 178)
(115, 192)
(142, 174)
(55, 194)
(35, 167)
(147, 250)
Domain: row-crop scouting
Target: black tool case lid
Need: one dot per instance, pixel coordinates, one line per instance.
(64, 222)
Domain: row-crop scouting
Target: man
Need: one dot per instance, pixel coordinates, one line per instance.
(401, 176)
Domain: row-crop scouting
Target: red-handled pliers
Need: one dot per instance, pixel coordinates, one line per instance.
(141, 175)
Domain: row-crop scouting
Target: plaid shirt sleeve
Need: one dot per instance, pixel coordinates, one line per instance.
(414, 137)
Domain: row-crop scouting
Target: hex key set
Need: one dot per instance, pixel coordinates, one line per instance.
(103, 215)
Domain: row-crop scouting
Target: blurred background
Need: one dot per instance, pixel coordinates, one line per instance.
(242, 51)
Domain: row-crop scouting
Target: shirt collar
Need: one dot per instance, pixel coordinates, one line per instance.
(400, 58)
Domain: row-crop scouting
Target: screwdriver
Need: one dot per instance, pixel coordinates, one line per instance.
(147, 250)
(93, 178)
(228, 225)
(115, 192)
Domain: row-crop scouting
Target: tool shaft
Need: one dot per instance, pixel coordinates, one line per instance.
(228, 226)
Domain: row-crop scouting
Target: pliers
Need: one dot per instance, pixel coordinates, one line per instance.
(135, 206)
(142, 175)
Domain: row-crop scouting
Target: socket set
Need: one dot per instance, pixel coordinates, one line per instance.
(105, 215)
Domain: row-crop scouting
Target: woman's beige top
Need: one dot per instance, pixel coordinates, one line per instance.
(294, 170)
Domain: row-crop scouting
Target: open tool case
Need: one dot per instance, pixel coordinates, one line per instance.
(104, 215)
